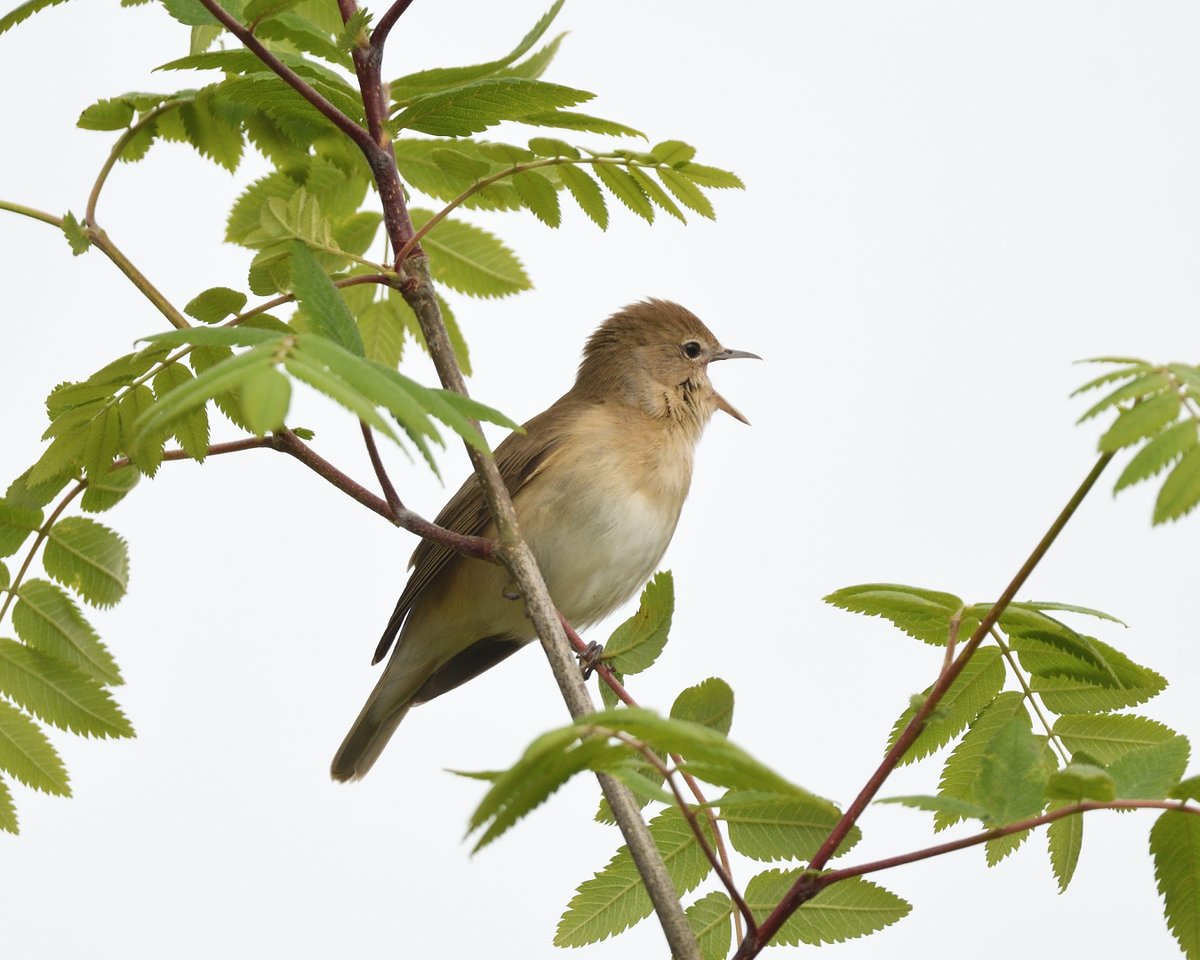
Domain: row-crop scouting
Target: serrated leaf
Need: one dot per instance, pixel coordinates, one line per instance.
(240, 336)
(1145, 384)
(8, 812)
(1175, 846)
(943, 805)
(713, 177)
(1064, 839)
(314, 372)
(382, 326)
(442, 78)
(552, 147)
(615, 898)
(842, 911)
(1041, 606)
(709, 702)
(103, 442)
(190, 429)
(568, 120)
(27, 754)
(59, 693)
(1122, 373)
(1076, 694)
(1181, 491)
(460, 166)
(961, 769)
(626, 189)
(710, 918)
(1159, 453)
(265, 396)
(587, 194)
(782, 827)
(16, 524)
(1149, 773)
(1012, 773)
(637, 642)
(215, 136)
(1081, 781)
(998, 848)
(539, 195)
(145, 451)
(106, 115)
(470, 260)
(923, 614)
(47, 619)
(973, 689)
(89, 558)
(475, 106)
(417, 166)
(655, 194)
(26, 495)
(1188, 789)
(324, 305)
(672, 152)
(686, 192)
(215, 304)
(246, 216)
(1145, 419)
(1107, 737)
(19, 15)
(76, 235)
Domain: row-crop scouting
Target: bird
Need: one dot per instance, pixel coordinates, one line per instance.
(598, 481)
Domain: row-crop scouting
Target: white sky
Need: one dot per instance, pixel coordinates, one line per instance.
(948, 204)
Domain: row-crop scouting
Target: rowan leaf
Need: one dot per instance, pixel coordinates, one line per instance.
(923, 614)
(1175, 846)
(191, 428)
(539, 195)
(842, 911)
(1145, 419)
(1181, 491)
(265, 394)
(1149, 773)
(47, 619)
(625, 188)
(711, 920)
(16, 524)
(89, 558)
(27, 755)
(469, 259)
(323, 304)
(792, 827)
(1064, 840)
(637, 643)
(962, 767)
(587, 193)
(1012, 773)
(58, 692)
(215, 304)
(1106, 737)
(709, 702)
(479, 104)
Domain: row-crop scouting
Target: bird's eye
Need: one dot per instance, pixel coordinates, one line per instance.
(691, 349)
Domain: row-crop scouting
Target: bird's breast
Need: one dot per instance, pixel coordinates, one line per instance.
(601, 515)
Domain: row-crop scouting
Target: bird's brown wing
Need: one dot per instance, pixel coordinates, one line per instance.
(520, 458)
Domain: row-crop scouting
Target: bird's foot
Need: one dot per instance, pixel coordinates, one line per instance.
(590, 658)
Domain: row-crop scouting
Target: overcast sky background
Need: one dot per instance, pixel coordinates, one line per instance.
(948, 204)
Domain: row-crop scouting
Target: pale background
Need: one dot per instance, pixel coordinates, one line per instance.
(947, 204)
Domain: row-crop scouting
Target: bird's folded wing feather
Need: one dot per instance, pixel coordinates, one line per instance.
(519, 458)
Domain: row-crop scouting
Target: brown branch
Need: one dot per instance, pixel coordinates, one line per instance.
(803, 890)
(386, 22)
(381, 475)
(833, 876)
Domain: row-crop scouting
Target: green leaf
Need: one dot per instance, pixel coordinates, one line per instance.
(241, 336)
(539, 196)
(246, 216)
(8, 812)
(191, 429)
(475, 106)
(217, 137)
(356, 233)
(469, 259)
(76, 235)
(47, 619)
(626, 189)
(1012, 773)
(324, 305)
(1108, 737)
(1075, 694)
(1159, 453)
(655, 194)
(1181, 491)
(59, 693)
(89, 558)
(1145, 384)
(615, 898)
(16, 524)
(1000, 847)
(1122, 373)
(842, 911)
(442, 78)
(215, 304)
(418, 166)
(189, 12)
(1064, 839)
(672, 152)
(266, 394)
(587, 193)
(923, 614)
(1081, 781)
(1145, 419)
(23, 494)
(709, 702)
(567, 120)
(1175, 846)
(27, 754)
(312, 371)
(1149, 773)
(1040, 606)
(973, 689)
(552, 147)
(460, 166)
(943, 805)
(961, 769)
(19, 15)
(686, 192)
(711, 176)
(382, 326)
(1188, 789)
(106, 115)
(781, 827)
(637, 642)
(145, 451)
(710, 918)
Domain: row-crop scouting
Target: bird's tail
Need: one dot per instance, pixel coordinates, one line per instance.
(370, 733)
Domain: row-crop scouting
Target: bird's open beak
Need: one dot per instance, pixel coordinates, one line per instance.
(722, 403)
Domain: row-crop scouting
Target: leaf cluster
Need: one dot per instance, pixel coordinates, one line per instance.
(1158, 416)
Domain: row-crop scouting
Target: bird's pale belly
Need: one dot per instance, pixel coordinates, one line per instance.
(596, 553)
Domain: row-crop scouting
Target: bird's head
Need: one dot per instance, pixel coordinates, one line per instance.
(654, 355)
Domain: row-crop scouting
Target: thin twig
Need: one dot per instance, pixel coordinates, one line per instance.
(42, 534)
(137, 278)
(31, 213)
(802, 890)
(118, 148)
(380, 34)
(384, 279)
(389, 491)
(1051, 737)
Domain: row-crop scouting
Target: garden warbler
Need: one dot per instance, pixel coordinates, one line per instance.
(597, 480)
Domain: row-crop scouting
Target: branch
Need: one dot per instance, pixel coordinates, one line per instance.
(826, 879)
(32, 213)
(288, 75)
(385, 481)
(89, 216)
(804, 889)
(137, 278)
(386, 22)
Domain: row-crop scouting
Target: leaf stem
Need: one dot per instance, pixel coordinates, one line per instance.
(118, 148)
(31, 213)
(1051, 737)
(137, 278)
(804, 890)
(43, 533)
